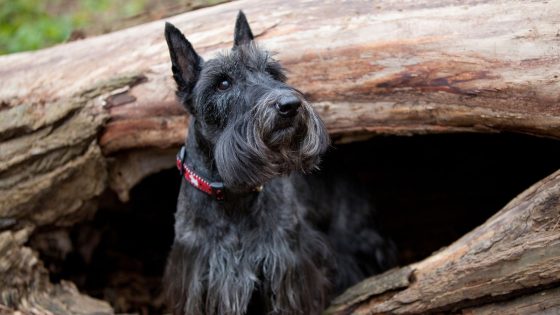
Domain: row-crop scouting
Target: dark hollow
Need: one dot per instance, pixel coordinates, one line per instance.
(428, 190)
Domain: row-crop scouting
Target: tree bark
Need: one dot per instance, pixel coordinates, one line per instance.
(516, 252)
(369, 68)
(25, 286)
(100, 113)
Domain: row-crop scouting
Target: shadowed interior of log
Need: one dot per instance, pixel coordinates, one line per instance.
(428, 190)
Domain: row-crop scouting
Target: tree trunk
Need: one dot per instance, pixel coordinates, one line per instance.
(100, 113)
(516, 252)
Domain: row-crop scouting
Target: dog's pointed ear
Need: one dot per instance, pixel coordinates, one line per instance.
(242, 34)
(185, 62)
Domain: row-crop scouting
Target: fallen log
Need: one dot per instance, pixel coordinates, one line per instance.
(394, 69)
(97, 114)
(25, 285)
(515, 253)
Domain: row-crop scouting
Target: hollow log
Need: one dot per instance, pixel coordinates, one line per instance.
(513, 257)
(24, 284)
(96, 114)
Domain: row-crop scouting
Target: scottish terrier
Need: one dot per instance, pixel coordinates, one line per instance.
(253, 233)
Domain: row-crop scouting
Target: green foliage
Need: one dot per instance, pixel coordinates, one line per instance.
(34, 24)
(25, 25)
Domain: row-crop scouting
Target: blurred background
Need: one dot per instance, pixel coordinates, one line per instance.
(35, 24)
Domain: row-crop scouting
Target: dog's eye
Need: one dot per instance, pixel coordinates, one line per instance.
(224, 85)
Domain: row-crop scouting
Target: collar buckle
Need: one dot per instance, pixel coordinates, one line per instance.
(217, 190)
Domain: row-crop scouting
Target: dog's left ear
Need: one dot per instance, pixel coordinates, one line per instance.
(242, 34)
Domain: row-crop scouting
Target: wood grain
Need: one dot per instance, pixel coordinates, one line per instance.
(96, 114)
(516, 252)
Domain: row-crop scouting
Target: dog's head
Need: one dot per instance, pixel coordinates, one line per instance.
(256, 125)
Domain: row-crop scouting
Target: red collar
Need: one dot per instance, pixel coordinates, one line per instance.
(214, 189)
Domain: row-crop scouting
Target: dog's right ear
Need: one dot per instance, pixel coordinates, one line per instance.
(185, 62)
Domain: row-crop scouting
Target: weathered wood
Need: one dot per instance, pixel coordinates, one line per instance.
(24, 283)
(383, 67)
(515, 252)
(100, 113)
(543, 302)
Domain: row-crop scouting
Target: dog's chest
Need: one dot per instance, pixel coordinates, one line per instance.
(254, 239)
(245, 241)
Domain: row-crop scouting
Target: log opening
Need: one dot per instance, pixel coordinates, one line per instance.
(428, 190)
(119, 255)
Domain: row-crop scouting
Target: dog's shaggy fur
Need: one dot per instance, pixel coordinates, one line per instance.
(282, 250)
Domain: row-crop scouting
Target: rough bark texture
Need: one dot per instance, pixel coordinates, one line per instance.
(516, 252)
(24, 283)
(100, 113)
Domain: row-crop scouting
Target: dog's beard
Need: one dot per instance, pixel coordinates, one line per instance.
(261, 145)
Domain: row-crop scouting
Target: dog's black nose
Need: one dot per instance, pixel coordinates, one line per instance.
(287, 106)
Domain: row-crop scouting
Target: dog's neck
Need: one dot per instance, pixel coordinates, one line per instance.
(200, 155)
(200, 160)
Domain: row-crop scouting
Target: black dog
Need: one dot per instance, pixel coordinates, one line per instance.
(253, 235)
